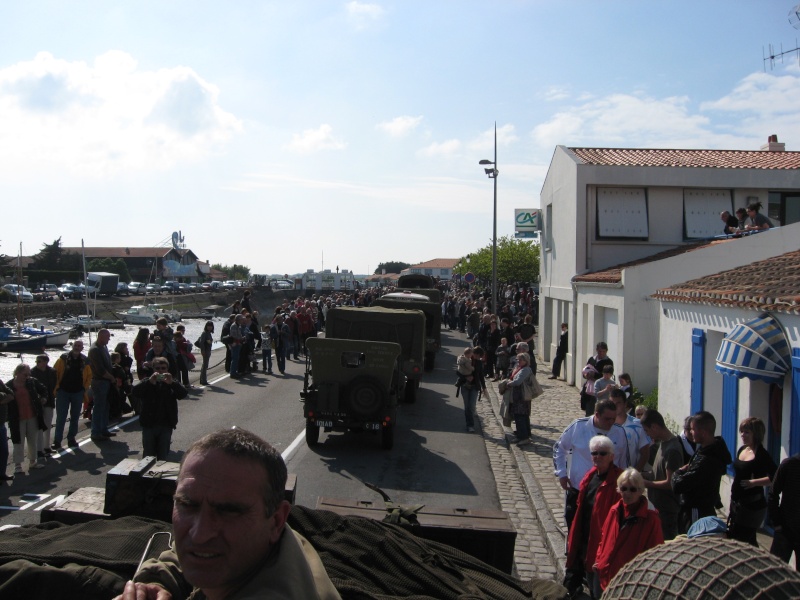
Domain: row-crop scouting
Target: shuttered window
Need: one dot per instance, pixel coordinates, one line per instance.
(701, 210)
(622, 213)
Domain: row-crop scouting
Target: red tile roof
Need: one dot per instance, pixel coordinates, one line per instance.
(766, 285)
(129, 252)
(719, 159)
(614, 274)
(437, 263)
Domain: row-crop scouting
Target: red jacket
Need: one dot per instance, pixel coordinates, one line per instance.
(607, 496)
(621, 543)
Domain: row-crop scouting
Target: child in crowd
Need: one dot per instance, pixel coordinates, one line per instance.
(626, 385)
(588, 398)
(266, 350)
(503, 354)
(603, 386)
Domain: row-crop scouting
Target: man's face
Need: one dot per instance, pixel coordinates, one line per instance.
(158, 346)
(605, 419)
(77, 347)
(222, 531)
(601, 352)
(698, 435)
(103, 336)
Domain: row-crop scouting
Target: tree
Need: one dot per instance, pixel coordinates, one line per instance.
(237, 272)
(391, 266)
(517, 261)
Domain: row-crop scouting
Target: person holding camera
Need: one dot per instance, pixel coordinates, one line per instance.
(158, 399)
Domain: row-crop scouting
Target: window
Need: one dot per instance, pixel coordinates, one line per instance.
(444, 272)
(548, 227)
(622, 213)
(701, 209)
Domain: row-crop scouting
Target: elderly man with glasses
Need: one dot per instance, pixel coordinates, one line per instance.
(158, 396)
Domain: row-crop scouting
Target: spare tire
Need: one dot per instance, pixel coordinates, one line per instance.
(366, 397)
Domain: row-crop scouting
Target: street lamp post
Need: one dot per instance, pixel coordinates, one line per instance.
(493, 173)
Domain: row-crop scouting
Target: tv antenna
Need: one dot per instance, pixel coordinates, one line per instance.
(794, 21)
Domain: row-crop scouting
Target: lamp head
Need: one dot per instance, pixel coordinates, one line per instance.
(485, 162)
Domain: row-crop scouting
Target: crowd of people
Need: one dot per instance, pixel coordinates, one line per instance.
(745, 219)
(630, 483)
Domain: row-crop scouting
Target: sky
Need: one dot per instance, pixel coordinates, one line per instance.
(326, 134)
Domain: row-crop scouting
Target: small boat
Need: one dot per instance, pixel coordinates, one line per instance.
(148, 314)
(89, 323)
(32, 340)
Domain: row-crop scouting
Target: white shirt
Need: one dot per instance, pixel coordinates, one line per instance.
(575, 442)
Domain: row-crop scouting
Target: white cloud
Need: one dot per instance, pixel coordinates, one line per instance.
(400, 126)
(314, 140)
(363, 15)
(759, 105)
(448, 148)
(485, 141)
(555, 93)
(106, 117)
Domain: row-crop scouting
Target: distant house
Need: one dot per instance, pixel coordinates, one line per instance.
(620, 223)
(169, 263)
(731, 342)
(440, 268)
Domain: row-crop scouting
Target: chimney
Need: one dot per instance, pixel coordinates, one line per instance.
(773, 145)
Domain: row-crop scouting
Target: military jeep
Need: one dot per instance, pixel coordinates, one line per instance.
(380, 324)
(351, 385)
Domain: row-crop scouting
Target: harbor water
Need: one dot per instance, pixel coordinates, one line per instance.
(194, 327)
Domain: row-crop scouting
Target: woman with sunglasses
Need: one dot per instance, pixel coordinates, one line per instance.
(632, 526)
(596, 496)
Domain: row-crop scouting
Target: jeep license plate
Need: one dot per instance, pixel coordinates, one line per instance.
(375, 426)
(325, 423)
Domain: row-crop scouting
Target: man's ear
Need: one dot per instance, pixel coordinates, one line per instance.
(280, 516)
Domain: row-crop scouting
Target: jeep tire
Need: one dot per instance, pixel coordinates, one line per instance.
(366, 397)
(312, 433)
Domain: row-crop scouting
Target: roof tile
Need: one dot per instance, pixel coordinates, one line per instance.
(719, 159)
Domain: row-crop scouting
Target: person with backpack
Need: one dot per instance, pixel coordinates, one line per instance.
(73, 380)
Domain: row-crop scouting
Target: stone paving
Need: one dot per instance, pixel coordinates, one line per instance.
(525, 483)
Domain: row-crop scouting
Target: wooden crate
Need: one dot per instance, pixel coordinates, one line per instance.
(488, 535)
(81, 506)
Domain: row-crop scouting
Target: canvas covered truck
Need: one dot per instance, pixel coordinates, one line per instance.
(403, 325)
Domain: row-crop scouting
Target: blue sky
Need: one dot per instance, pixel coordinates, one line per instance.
(299, 135)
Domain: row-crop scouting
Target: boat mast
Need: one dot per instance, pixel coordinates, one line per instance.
(86, 289)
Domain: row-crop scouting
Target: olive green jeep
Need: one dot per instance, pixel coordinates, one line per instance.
(351, 385)
(417, 300)
(401, 324)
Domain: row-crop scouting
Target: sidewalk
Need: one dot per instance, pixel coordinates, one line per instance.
(551, 412)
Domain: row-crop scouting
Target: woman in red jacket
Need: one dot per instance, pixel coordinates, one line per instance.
(596, 495)
(631, 527)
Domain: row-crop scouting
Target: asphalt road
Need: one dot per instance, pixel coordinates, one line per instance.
(434, 460)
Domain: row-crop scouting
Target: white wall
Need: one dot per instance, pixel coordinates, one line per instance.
(675, 361)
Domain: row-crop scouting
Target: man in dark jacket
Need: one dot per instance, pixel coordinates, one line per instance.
(784, 501)
(697, 483)
(158, 396)
(561, 352)
(46, 375)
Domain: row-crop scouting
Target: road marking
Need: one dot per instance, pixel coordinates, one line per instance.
(293, 446)
(26, 501)
(53, 500)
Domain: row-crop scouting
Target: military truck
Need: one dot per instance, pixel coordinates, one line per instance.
(433, 319)
(432, 294)
(351, 385)
(406, 327)
(416, 280)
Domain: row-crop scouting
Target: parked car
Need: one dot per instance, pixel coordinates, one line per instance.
(183, 288)
(206, 287)
(229, 285)
(194, 287)
(18, 292)
(46, 291)
(136, 287)
(70, 290)
(170, 287)
(122, 289)
(153, 288)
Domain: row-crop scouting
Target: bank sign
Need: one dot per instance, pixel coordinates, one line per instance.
(526, 222)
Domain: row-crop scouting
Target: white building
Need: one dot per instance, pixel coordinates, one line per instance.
(730, 344)
(621, 223)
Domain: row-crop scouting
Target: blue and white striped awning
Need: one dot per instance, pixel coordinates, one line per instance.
(757, 349)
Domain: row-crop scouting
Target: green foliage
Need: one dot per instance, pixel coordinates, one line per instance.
(392, 266)
(51, 264)
(650, 400)
(236, 272)
(517, 260)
